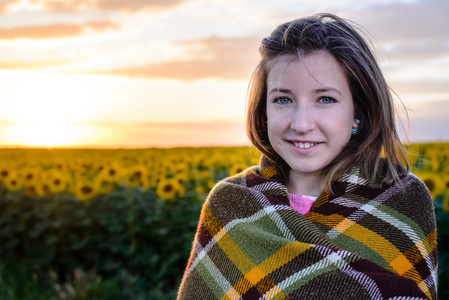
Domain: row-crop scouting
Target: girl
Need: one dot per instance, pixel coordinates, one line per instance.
(332, 212)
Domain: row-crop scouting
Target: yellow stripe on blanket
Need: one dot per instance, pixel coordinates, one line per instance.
(283, 256)
(274, 262)
(211, 223)
(236, 255)
(397, 261)
(252, 275)
(269, 172)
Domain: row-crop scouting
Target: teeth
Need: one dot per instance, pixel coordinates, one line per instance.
(305, 145)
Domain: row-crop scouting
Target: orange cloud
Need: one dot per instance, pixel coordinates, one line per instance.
(136, 5)
(6, 4)
(111, 5)
(233, 58)
(191, 70)
(23, 65)
(62, 6)
(54, 30)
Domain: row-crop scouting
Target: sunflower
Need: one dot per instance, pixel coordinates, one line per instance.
(200, 189)
(182, 177)
(13, 182)
(86, 190)
(433, 183)
(57, 181)
(445, 181)
(111, 172)
(156, 177)
(136, 176)
(42, 188)
(169, 167)
(31, 176)
(167, 189)
(59, 165)
(4, 172)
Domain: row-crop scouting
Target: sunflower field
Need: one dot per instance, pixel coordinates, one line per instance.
(119, 224)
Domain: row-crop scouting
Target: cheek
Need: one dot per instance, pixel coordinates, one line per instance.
(272, 133)
(276, 129)
(337, 127)
(273, 126)
(346, 131)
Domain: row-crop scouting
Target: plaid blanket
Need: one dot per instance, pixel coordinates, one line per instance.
(356, 243)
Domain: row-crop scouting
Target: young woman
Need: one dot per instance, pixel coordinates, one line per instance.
(332, 212)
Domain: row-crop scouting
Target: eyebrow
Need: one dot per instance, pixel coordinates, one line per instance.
(280, 90)
(327, 89)
(316, 91)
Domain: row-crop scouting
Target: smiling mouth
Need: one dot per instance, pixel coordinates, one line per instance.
(305, 145)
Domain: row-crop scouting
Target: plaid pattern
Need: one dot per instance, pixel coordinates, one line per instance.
(357, 243)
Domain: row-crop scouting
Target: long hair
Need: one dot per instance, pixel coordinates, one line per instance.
(373, 103)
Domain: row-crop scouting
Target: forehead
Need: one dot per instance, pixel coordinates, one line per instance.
(316, 68)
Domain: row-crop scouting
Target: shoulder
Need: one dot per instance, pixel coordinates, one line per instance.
(415, 187)
(244, 194)
(408, 196)
(412, 198)
(250, 180)
(231, 198)
(409, 192)
(232, 187)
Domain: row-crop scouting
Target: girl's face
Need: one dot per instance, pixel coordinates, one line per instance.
(310, 111)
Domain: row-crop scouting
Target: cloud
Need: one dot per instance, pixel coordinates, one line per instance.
(54, 30)
(224, 58)
(422, 86)
(136, 5)
(67, 6)
(419, 20)
(31, 65)
(413, 30)
(429, 121)
(56, 6)
(4, 5)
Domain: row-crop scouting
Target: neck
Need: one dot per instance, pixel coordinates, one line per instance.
(304, 184)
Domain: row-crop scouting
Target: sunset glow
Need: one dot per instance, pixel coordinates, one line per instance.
(39, 97)
(172, 73)
(51, 134)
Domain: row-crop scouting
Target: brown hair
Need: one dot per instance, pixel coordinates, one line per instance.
(372, 98)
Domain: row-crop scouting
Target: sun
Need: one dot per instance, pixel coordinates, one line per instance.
(46, 110)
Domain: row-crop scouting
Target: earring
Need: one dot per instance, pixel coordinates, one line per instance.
(355, 130)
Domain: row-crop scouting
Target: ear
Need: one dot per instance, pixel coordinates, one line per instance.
(356, 123)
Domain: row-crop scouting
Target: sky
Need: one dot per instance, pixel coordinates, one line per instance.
(166, 73)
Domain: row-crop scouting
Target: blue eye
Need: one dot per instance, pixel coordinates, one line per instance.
(282, 100)
(326, 100)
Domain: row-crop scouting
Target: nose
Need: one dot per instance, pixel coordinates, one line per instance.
(302, 119)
